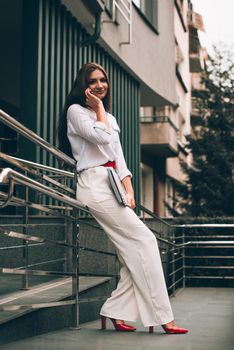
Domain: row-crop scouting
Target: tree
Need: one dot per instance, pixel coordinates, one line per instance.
(208, 189)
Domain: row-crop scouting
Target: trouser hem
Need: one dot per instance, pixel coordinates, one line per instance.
(119, 317)
(153, 324)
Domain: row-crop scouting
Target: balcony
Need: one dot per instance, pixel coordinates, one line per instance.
(159, 136)
(197, 54)
(195, 20)
(197, 82)
(196, 116)
(198, 60)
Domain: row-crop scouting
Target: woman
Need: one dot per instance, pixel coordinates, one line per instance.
(90, 134)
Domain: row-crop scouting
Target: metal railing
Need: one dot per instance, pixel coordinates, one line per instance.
(13, 177)
(180, 240)
(48, 182)
(44, 180)
(209, 258)
(158, 119)
(36, 139)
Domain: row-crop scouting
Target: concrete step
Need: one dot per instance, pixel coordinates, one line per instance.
(206, 312)
(20, 310)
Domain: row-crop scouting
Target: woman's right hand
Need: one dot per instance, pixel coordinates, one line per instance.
(93, 101)
(96, 105)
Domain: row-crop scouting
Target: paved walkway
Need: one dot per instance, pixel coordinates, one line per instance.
(207, 312)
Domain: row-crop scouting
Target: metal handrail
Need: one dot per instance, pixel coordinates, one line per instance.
(44, 167)
(154, 216)
(15, 201)
(149, 212)
(212, 242)
(34, 238)
(9, 174)
(13, 176)
(178, 276)
(17, 126)
(21, 129)
(203, 225)
(11, 200)
(56, 195)
(32, 136)
(25, 167)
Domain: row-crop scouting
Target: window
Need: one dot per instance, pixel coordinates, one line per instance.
(149, 8)
(169, 197)
(108, 5)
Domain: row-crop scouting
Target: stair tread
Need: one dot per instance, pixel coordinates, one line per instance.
(45, 292)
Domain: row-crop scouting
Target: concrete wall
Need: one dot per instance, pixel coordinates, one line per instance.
(182, 38)
(10, 43)
(173, 168)
(159, 134)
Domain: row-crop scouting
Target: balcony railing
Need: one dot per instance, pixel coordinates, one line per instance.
(158, 119)
(195, 20)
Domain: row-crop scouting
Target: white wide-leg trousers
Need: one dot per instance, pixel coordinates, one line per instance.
(141, 291)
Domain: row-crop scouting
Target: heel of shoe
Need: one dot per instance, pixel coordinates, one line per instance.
(103, 322)
(151, 329)
(174, 330)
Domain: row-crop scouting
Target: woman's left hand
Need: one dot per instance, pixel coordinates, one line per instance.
(130, 200)
(126, 181)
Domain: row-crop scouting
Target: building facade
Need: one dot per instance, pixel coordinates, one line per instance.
(168, 124)
(164, 127)
(45, 42)
(144, 47)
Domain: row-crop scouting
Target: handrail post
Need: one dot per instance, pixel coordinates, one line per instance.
(143, 217)
(68, 267)
(25, 284)
(75, 268)
(75, 262)
(183, 258)
(160, 229)
(173, 265)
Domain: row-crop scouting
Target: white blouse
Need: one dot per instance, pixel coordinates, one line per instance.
(92, 143)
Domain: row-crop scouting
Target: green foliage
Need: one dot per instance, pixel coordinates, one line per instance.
(209, 190)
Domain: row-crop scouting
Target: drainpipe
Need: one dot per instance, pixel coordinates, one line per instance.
(96, 7)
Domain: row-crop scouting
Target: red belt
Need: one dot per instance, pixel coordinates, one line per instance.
(110, 164)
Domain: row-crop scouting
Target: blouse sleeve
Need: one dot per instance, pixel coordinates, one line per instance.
(80, 123)
(121, 167)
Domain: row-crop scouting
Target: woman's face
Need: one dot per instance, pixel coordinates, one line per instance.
(98, 84)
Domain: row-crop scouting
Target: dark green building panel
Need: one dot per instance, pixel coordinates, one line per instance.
(51, 57)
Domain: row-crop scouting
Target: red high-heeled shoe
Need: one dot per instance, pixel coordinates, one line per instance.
(118, 326)
(170, 330)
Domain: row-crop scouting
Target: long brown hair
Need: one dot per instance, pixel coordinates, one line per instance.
(77, 96)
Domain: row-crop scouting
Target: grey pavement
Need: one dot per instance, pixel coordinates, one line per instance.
(207, 312)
